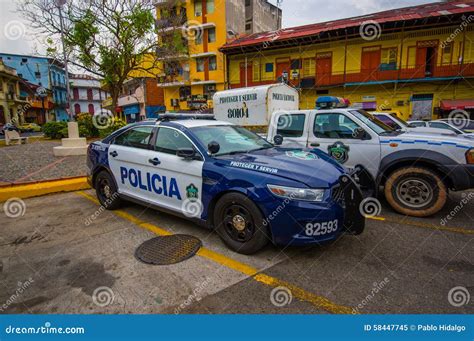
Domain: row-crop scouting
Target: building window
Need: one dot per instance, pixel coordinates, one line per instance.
(269, 67)
(212, 63)
(77, 108)
(184, 93)
(24, 60)
(210, 6)
(91, 108)
(200, 64)
(309, 67)
(89, 95)
(296, 64)
(211, 35)
(209, 90)
(389, 59)
(75, 93)
(447, 53)
(247, 2)
(198, 37)
(248, 27)
(197, 8)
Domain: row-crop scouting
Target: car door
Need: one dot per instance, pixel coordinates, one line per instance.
(292, 126)
(128, 154)
(336, 133)
(176, 181)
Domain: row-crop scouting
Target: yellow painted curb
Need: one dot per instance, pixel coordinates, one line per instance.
(42, 188)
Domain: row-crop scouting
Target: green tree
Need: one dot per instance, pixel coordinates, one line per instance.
(109, 38)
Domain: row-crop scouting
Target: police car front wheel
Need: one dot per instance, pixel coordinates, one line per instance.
(415, 191)
(106, 191)
(240, 224)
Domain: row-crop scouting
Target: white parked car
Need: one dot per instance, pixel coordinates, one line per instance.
(415, 170)
(395, 122)
(441, 125)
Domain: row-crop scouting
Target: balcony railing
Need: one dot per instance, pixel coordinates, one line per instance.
(412, 72)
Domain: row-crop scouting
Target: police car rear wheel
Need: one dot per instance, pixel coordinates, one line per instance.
(240, 224)
(415, 191)
(107, 191)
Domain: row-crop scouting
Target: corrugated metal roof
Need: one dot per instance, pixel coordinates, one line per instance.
(431, 10)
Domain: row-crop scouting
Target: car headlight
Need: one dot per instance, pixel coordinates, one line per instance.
(470, 156)
(291, 193)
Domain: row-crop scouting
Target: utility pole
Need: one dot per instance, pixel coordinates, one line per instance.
(60, 4)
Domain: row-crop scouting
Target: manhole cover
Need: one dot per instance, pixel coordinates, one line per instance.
(166, 250)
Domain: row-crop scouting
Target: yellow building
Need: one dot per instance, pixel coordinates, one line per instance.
(10, 99)
(199, 28)
(417, 60)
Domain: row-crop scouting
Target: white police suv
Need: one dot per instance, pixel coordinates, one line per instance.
(415, 170)
(229, 179)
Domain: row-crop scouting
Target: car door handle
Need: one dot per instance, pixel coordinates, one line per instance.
(315, 144)
(113, 154)
(154, 161)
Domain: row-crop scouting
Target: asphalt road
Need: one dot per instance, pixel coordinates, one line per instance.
(68, 256)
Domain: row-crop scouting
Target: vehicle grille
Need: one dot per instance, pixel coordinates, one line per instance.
(337, 194)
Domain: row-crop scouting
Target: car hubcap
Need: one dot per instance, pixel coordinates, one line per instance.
(238, 223)
(414, 193)
(105, 189)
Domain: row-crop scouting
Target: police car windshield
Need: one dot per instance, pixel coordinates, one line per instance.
(373, 123)
(232, 139)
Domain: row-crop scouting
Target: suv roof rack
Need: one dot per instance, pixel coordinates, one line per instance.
(173, 117)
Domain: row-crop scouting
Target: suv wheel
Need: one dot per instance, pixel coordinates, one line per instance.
(239, 223)
(106, 191)
(415, 191)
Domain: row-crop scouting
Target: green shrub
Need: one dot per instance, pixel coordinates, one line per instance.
(55, 130)
(86, 125)
(116, 125)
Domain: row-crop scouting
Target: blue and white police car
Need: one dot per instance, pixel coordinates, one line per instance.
(229, 179)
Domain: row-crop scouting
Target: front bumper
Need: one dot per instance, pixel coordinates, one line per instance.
(288, 220)
(461, 176)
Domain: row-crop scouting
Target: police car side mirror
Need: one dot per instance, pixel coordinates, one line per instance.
(187, 153)
(213, 147)
(278, 140)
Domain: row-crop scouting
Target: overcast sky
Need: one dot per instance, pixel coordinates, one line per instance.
(15, 38)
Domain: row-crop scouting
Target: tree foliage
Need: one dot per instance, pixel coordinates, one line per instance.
(109, 38)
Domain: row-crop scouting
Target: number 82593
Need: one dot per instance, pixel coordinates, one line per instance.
(320, 229)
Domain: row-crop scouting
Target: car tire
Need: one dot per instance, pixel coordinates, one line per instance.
(240, 224)
(415, 191)
(106, 191)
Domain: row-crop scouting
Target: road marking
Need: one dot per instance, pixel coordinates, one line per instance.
(297, 292)
(424, 225)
